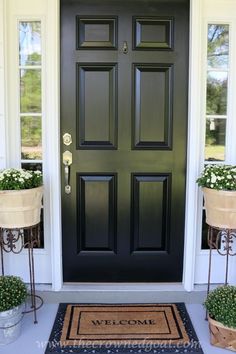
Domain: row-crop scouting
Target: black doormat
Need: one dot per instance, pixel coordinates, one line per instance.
(123, 328)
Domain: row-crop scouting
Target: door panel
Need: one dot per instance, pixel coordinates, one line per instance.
(153, 33)
(152, 106)
(96, 32)
(150, 207)
(97, 97)
(96, 213)
(124, 74)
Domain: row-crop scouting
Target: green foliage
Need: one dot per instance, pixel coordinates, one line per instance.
(215, 136)
(217, 87)
(32, 155)
(218, 45)
(216, 96)
(30, 91)
(13, 292)
(220, 177)
(221, 305)
(31, 132)
(15, 179)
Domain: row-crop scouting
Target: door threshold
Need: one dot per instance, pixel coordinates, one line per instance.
(122, 293)
(121, 287)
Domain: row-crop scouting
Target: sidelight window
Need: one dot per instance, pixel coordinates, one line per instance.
(217, 92)
(216, 112)
(30, 88)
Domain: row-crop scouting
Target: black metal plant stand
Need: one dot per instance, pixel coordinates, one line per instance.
(222, 241)
(15, 240)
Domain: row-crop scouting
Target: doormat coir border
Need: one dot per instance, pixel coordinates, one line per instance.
(123, 328)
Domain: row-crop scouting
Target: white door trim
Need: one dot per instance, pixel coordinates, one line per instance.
(53, 138)
(193, 144)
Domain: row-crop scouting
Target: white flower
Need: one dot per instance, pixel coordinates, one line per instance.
(213, 178)
(229, 177)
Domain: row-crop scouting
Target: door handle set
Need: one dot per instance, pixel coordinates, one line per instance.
(67, 161)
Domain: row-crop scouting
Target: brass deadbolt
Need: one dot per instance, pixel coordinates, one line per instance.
(67, 139)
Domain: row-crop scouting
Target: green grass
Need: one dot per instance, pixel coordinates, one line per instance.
(215, 152)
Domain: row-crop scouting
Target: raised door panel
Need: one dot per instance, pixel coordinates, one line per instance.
(96, 195)
(150, 212)
(153, 33)
(152, 106)
(94, 32)
(96, 106)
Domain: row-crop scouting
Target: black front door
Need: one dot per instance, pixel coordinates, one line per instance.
(124, 75)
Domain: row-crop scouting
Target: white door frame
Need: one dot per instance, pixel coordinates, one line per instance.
(192, 192)
(194, 141)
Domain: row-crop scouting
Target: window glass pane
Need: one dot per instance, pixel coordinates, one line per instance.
(31, 138)
(33, 166)
(217, 93)
(30, 91)
(30, 43)
(215, 139)
(30, 99)
(218, 46)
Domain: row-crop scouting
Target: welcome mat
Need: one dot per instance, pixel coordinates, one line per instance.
(126, 328)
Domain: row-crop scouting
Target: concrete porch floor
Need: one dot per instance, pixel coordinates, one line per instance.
(34, 337)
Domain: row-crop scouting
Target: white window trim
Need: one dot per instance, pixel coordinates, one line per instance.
(202, 256)
(42, 67)
(13, 143)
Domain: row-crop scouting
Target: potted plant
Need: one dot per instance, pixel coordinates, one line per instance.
(221, 307)
(20, 197)
(13, 293)
(218, 184)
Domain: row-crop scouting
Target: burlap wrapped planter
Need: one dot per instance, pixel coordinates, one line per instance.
(220, 208)
(221, 336)
(20, 208)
